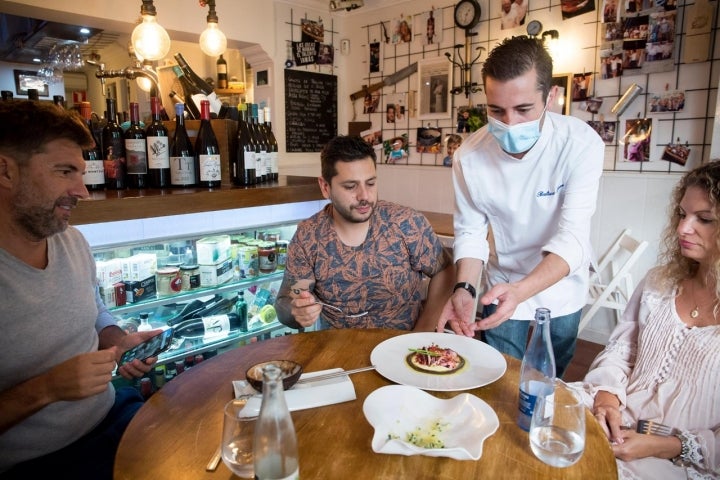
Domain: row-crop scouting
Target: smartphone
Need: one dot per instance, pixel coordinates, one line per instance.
(149, 348)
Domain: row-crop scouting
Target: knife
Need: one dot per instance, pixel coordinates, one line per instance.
(387, 81)
(214, 461)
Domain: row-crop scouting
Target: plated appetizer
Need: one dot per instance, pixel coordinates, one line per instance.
(435, 359)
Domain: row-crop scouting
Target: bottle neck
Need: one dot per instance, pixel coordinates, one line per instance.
(134, 114)
(155, 109)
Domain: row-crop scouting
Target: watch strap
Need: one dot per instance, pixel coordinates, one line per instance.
(466, 286)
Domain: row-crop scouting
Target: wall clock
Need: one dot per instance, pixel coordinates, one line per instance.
(534, 28)
(467, 14)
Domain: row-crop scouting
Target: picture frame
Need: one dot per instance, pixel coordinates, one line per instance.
(262, 78)
(563, 98)
(434, 85)
(25, 79)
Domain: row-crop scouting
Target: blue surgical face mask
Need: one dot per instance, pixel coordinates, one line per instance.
(518, 138)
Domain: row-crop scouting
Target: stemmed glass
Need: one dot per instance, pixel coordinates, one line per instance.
(557, 428)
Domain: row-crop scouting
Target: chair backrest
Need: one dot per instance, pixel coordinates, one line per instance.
(620, 257)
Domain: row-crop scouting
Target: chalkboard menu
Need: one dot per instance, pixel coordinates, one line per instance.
(310, 110)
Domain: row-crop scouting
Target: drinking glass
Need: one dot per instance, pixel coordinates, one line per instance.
(237, 438)
(557, 428)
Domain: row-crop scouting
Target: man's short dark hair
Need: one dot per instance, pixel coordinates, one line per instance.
(515, 56)
(344, 149)
(27, 126)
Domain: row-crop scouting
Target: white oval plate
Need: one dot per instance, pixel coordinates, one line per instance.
(396, 410)
(483, 364)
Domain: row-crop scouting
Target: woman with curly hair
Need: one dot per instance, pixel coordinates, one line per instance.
(662, 360)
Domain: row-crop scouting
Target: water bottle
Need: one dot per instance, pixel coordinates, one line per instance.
(537, 372)
(275, 444)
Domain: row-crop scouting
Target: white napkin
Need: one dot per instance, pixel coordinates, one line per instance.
(304, 395)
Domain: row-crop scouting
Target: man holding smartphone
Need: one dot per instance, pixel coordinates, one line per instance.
(59, 412)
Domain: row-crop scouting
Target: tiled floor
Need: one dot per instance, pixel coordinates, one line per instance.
(585, 353)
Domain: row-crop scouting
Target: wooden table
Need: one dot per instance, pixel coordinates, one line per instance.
(176, 432)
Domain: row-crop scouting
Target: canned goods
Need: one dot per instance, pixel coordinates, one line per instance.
(247, 258)
(267, 257)
(282, 247)
(190, 277)
(168, 280)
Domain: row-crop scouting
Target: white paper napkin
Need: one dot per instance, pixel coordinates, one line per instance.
(304, 395)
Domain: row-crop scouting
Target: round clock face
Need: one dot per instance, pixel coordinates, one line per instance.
(534, 28)
(467, 14)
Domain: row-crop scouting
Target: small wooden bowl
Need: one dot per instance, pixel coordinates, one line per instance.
(291, 372)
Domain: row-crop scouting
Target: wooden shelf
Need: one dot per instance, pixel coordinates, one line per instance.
(116, 205)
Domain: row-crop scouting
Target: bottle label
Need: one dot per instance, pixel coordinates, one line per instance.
(216, 325)
(182, 171)
(250, 160)
(136, 156)
(94, 172)
(158, 149)
(274, 162)
(209, 168)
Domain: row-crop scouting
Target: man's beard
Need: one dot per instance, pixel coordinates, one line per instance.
(347, 213)
(37, 221)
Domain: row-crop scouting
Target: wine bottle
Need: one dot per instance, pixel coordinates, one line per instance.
(113, 149)
(182, 155)
(275, 448)
(241, 310)
(59, 101)
(202, 91)
(244, 163)
(259, 146)
(265, 148)
(94, 175)
(537, 372)
(207, 151)
(33, 94)
(211, 325)
(274, 149)
(136, 151)
(222, 76)
(188, 89)
(158, 148)
(7, 95)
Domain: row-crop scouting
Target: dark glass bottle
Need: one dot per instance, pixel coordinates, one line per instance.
(537, 371)
(222, 75)
(207, 151)
(260, 148)
(158, 148)
(33, 94)
(182, 155)
(274, 148)
(7, 95)
(59, 101)
(244, 164)
(209, 325)
(113, 145)
(203, 89)
(94, 175)
(241, 310)
(189, 90)
(136, 151)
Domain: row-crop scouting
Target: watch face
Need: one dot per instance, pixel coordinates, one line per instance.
(467, 14)
(534, 28)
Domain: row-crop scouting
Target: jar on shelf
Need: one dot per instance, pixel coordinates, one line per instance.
(267, 257)
(190, 274)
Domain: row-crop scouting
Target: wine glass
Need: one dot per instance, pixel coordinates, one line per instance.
(557, 428)
(237, 437)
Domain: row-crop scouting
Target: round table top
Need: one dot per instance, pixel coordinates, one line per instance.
(176, 432)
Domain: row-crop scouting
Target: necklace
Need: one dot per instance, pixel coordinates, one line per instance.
(695, 312)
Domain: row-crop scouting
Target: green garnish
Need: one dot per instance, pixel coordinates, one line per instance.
(425, 352)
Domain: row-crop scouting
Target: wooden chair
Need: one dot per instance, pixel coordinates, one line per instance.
(611, 283)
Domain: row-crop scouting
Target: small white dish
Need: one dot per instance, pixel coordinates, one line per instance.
(461, 423)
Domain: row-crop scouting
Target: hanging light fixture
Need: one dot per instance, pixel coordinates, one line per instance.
(212, 40)
(149, 39)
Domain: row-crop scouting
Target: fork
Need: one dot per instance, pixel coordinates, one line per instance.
(362, 314)
(654, 428)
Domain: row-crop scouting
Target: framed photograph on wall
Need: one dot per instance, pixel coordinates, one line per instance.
(564, 82)
(25, 79)
(434, 76)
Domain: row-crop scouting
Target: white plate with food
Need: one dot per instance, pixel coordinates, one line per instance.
(409, 421)
(438, 361)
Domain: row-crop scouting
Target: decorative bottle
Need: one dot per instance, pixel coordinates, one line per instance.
(241, 310)
(182, 155)
(275, 447)
(158, 148)
(144, 323)
(94, 176)
(113, 145)
(192, 108)
(207, 151)
(136, 151)
(208, 326)
(537, 372)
